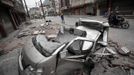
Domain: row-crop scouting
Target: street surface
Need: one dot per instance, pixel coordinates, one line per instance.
(9, 62)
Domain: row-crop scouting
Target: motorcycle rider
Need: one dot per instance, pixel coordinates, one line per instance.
(113, 18)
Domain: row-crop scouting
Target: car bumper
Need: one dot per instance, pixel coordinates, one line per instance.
(20, 66)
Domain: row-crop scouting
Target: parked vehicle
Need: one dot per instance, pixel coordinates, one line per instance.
(40, 57)
(119, 22)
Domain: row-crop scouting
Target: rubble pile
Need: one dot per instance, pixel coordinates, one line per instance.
(118, 61)
(48, 30)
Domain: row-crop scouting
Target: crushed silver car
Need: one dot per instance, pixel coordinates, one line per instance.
(42, 57)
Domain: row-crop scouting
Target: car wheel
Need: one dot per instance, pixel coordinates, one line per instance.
(125, 25)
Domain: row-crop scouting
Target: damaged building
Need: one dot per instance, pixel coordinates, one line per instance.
(97, 7)
(12, 14)
(77, 7)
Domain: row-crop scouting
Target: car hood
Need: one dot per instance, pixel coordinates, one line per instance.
(91, 33)
(30, 55)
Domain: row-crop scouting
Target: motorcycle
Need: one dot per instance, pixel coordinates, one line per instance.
(120, 22)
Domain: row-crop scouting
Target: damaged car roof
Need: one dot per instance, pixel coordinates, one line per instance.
(47, 45)
(95, 21)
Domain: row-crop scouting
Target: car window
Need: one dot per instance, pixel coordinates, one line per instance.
(86, 45)
(76, 45)
(79, 46)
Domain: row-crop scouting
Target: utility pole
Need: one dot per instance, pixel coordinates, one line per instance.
(54, 6)
(42, 10)
(26, 8)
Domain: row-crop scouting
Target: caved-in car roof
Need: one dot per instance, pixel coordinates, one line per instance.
(94, 21)
(45, 46)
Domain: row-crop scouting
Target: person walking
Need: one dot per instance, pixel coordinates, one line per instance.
(62, 17)
(62, 26)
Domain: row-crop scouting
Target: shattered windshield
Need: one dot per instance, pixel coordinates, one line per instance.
(45, 47)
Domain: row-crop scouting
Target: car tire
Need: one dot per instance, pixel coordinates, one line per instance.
(125, 25)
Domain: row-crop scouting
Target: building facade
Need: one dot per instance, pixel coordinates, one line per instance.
(11, 16)
(96, 7)
(124, 7)
(35, 12)
(77, 7)
(51, 7)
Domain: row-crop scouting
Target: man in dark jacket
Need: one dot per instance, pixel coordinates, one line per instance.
(112, 19)
(62, 17)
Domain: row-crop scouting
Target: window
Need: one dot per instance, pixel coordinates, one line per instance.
(80, 46)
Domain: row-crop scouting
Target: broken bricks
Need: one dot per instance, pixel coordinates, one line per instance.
(121, 50)
(38, 32)
(115, 57)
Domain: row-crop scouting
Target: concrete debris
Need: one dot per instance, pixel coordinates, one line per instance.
(119, 49)
(125, 50)
(42, 25)
(51, 36)
(38, 32)
(109, 58)
(35, 32)
(21, 35)
(110, 50)
(52, 29)
(42, 32)
(1, 51)
(28, 22)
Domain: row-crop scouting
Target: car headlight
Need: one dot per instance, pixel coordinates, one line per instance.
(32, 71)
